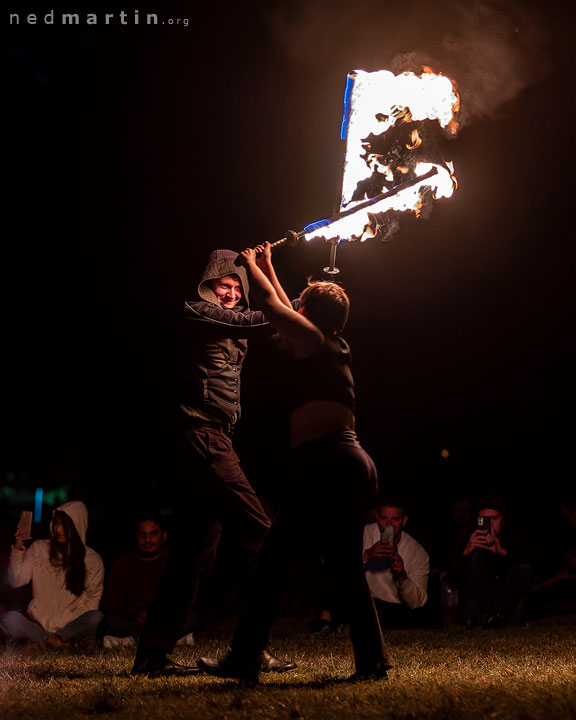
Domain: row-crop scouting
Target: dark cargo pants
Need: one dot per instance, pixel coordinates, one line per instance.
(217, 495)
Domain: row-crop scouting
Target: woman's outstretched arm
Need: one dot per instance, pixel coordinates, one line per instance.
(302, 336)
(264, 262)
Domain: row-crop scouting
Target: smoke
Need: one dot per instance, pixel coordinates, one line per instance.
(492, 50)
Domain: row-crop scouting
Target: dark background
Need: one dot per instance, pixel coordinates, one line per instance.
(130, 152)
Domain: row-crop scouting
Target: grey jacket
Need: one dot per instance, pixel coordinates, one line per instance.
(215, 345)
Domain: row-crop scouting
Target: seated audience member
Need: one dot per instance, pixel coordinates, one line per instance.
(329, 618)
(67, 579)
(131, 584)
(326, 625)
(555, 595)
(495, 570)
(462, 525)
(396, 566)
(554, 590)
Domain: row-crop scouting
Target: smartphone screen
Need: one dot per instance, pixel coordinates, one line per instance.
(387, 533)
(483, 523)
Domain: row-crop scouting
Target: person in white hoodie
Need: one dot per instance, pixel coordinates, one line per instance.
(67, 580)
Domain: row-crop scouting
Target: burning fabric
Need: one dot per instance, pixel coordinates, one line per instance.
(396, 129)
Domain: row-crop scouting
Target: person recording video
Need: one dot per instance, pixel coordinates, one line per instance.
(66, 577)
(396, 565)
(495, 571)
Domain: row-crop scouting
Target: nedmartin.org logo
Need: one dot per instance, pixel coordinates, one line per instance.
(118, 18)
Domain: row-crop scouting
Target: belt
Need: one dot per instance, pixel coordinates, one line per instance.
(227, 428)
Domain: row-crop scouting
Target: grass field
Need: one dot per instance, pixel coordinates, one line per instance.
(526, 671)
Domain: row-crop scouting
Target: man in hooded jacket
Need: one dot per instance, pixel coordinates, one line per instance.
(214, 346)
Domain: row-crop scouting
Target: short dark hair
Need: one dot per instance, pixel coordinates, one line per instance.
(327, 306)
(390, 501)
(492, 501)
(148, 515)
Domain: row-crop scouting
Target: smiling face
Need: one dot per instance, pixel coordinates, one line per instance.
(228, 290)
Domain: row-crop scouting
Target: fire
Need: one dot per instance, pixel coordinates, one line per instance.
(450, 166)
(415, 140)
(395, 128)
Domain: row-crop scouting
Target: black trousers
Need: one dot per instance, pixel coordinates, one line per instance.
(215, 495)
(333, 483)
(492, 585)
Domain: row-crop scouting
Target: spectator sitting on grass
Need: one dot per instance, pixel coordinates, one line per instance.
(554, 590)
(555, 595)
(448, 548)
(396, 566)
(67, 579)
(495, 570)
(131, 585)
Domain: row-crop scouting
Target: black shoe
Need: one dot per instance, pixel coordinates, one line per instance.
(162, 667)
(270, 663)
(229, 667)
(494, 621)
(378, 672)
(324, 628)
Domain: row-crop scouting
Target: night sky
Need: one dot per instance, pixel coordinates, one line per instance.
(130, 152)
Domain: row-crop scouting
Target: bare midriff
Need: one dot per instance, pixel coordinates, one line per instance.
(318, 419)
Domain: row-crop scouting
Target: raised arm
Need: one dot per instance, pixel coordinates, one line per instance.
(264, 262)
(302, 336)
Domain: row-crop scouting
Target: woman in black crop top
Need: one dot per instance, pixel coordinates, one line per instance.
(332, 481)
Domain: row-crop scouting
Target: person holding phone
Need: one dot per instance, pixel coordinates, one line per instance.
(67, 580)
(486, 536)
(496, 569)
(396, 565)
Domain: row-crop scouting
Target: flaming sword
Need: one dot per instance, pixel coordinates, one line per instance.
(395, 127)
(292, 237)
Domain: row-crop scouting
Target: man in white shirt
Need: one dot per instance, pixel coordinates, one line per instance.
(396, 566)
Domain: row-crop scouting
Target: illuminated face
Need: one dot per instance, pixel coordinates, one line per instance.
(228, 290)
(394, 516)
(496, 520)
(149, 537)
(59, 532)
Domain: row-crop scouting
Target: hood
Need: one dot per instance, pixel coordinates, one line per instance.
(221, 263)
(78, 513)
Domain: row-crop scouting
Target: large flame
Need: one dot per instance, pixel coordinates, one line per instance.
(375, 103)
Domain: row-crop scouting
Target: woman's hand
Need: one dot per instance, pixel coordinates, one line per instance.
(20, 541)
(247, 257)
